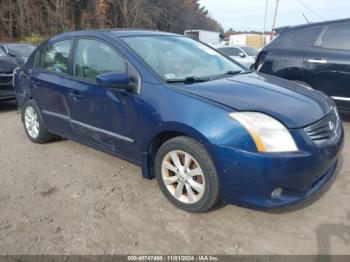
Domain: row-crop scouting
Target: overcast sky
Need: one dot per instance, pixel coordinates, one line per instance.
(249, 14)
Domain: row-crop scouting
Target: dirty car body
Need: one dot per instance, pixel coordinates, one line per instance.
(132, 123)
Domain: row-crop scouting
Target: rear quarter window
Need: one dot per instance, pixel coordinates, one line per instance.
(307, 36)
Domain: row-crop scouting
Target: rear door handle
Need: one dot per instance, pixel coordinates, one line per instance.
(35, 82)
(76, 95)
(318, 61)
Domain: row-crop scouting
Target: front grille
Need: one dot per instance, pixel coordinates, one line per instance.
(325, 128)
(6, 81)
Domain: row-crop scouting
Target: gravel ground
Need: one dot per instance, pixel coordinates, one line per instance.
(66, 198)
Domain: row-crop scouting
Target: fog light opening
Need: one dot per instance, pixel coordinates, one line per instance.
(276, 193)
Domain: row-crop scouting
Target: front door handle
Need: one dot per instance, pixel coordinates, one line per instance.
(318, 61)
(76, 95)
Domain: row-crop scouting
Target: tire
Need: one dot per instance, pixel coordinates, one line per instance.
(33, 123)
(199, 182)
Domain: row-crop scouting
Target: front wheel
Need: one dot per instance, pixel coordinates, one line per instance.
(34, 125)
(186, 175)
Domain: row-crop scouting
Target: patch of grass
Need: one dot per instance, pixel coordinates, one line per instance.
(33, 39)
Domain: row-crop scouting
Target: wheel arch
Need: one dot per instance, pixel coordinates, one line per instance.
(150, 148)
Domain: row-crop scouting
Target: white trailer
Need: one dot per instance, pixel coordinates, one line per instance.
(208, 37)
(253, 40)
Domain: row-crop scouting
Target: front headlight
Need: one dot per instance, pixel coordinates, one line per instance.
(269, 134)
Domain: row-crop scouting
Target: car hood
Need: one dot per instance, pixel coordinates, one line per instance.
(22, 59)
(294, 105)
(7, 64)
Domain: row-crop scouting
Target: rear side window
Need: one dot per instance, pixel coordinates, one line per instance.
(307, 36)
(93, 57)
(337, 37)
(230, 51)
(55, 57)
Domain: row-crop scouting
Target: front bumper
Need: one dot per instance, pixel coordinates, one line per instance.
(6, 88)
(248, 178)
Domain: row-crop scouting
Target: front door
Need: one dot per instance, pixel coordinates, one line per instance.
(103, 117)
(327, 66)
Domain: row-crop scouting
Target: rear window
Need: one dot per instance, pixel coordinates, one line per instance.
(21, 50)
(251, 51)
(307, 36)
(337, 37)
(230, 51)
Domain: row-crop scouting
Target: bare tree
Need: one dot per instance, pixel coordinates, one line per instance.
(21, 18)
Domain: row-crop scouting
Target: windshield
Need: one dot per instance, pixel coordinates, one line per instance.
(21, 50)
(249, 50)
(173, 57)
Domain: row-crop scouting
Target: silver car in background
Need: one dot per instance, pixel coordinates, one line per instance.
(244, 55)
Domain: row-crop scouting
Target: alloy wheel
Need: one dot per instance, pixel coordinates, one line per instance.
(183, 177)
(31, 122)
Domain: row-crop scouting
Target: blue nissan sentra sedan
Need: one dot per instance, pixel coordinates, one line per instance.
(192, 118)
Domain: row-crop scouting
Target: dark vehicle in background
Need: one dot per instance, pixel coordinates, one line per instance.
(316, 55)
(11, 56)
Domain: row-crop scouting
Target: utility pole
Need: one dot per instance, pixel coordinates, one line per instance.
(307, 20)
(267, 4)
(274, 18)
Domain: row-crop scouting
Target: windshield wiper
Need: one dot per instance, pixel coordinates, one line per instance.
(189, 80)
(194, 79)
(228, 73)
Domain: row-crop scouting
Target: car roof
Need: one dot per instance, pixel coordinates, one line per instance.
(229, 46)
(323, 23)
(243, 46)
(119, 32)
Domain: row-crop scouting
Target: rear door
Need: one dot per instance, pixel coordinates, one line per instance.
(103, 117)
(50, 79)
(327, 64)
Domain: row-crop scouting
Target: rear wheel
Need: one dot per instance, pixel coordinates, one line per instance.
(186, 175)
(34, 125)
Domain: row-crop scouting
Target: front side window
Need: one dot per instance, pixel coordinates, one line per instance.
(337, 37)
(94, 57)
(173, 57)
(55, 57)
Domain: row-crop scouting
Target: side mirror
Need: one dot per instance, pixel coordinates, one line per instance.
(242, 55)
(115, 80)
(11, 54)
